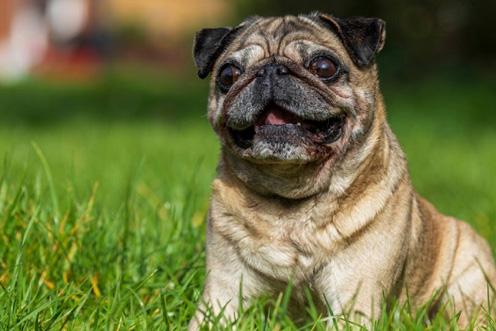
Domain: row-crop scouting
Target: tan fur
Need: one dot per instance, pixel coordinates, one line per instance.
(349, 227)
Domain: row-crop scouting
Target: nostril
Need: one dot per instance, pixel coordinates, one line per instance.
(282, 70)
(272, 69)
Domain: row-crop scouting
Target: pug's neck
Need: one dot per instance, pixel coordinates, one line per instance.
(290, 181)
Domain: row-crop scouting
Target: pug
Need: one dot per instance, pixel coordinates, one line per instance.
(312, 186)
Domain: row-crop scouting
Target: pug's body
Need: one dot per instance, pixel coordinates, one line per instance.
(312, 186)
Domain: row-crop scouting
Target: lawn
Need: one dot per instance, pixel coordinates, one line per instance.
(104, 189)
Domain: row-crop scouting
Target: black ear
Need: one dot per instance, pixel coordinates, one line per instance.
(363, 37)
(208, 45)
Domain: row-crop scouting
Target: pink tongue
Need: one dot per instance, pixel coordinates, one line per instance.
(278, 117)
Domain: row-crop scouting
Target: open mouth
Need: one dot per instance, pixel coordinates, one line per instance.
(278, 124)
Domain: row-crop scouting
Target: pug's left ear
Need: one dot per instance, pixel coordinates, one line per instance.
(363, 37)
(208, 45)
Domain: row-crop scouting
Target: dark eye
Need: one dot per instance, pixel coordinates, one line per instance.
(323, 67)
(228, 75)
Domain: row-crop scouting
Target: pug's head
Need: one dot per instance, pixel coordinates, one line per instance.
(290, 95)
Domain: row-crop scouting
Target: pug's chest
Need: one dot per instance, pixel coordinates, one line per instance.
(279, 247)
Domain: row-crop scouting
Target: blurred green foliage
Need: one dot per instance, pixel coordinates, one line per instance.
(118, 95)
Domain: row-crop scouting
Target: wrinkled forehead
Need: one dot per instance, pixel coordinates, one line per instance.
(293, 37)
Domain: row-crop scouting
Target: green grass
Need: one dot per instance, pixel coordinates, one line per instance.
(104, 189)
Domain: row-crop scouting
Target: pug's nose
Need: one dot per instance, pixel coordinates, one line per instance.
(273, 69)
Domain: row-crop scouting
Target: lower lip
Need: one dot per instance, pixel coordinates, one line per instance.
(304, 132)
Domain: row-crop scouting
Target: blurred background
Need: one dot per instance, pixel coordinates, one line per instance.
(81, 38)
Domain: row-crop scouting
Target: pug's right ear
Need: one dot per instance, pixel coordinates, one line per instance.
(208, 45)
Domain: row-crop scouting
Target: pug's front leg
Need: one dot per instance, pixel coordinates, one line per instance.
(228, 281)
(352, 301)
(220, 296)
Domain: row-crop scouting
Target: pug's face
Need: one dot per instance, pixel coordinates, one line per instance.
(290, 89)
